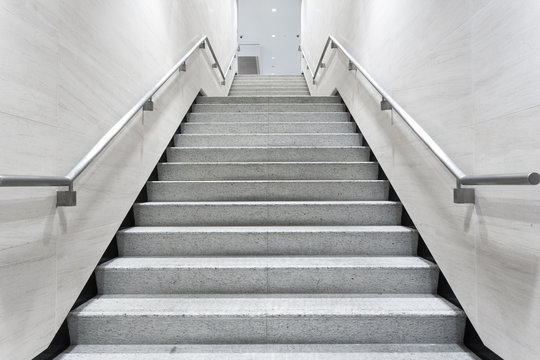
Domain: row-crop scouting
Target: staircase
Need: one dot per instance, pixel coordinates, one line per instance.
(267, 236)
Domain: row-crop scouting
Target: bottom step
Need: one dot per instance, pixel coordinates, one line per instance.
(266, 319)
(269, 352)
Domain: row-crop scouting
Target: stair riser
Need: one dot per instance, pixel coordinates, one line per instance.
(267, 171)
(270, 117)
(170, 329)
(259, 280)
(270, 100)
(223, 108)
(272, 214)
(314, 242)
(269, 128)
(260, 191)
(224, 140)
(266, 154)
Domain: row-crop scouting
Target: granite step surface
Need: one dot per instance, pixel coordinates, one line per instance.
(267, 213)
(269, 154)
(273, 107)
(266, 318)
(235, 140)
(268, 190)
(213, 171)
(267, 275)
(269, 100)
(267, 127)
(268, 240)
(270, 117)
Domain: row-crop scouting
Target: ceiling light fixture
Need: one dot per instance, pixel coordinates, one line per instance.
(273, 35)
(274, 10)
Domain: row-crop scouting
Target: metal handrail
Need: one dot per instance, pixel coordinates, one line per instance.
(461, 195)
(69, 198)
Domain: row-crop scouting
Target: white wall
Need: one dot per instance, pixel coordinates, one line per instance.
(257, 23)
(69, 70)
(468, 72)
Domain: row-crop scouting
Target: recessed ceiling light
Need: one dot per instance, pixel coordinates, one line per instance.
(273, 35)
(274, 10)
(273, 58)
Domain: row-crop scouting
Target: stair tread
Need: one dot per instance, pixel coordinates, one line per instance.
(270, 352)
(267, 162)
(267, 229)
(220, 123)
(262, 97)
(269, 305)
(142, 262)
(267, 203)
(276, 134)
(268, 181)
(266, 116)
(317, 147)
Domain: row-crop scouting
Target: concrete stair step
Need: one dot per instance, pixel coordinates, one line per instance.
(268, 240)
(295, 93)
(270, 117)
(237, 319)
(270, 88)
(269, 352)
(269, 100)
(207, 171)
(266, 92)
(246, 83)
(268, 78)
(284, 81)
(235, 140)
(224, 108)
(275, 154)
(267, 213)
(258, 76)
(269, 128)
(268, 190)
(267, 275)
(287, 86)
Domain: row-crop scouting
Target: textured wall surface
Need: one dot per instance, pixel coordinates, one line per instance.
(468, 72)
(68, 71)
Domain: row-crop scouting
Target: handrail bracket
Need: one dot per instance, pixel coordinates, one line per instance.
(385, 105)
(463, 196)
(66, 198)
(148, 105)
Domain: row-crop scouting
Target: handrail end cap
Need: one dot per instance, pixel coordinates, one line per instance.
(534, 178)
